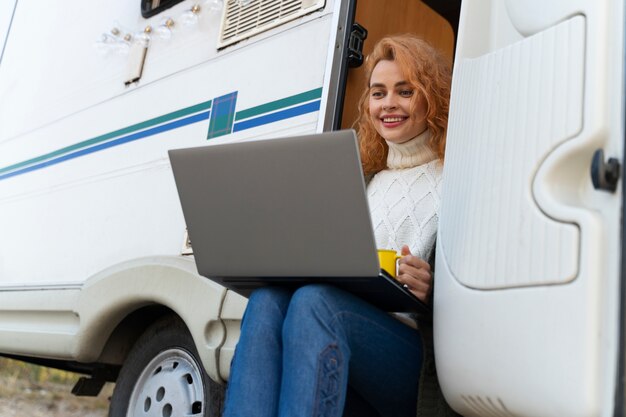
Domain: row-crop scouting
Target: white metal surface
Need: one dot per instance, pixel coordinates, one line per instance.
(120, 203)
(90, 223)
(518, 104)
(6, 14)
(74, 323)
(526, 301)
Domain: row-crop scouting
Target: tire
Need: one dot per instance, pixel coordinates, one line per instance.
(163, 376)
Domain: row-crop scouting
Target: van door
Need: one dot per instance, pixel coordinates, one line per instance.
(528, 311)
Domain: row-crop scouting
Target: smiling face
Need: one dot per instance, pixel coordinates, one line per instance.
(390, 98)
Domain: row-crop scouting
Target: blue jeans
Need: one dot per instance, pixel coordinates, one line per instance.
(299, 351)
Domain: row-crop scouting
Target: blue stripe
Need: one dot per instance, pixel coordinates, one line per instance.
(124, 139)
(279, 115)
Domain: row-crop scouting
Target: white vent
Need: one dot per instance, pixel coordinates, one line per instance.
(486, 407)
(242, 19)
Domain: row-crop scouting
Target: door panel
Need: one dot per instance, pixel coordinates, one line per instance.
(518, 103)
(528, 270)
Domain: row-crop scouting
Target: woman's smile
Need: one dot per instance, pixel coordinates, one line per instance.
(393, 121)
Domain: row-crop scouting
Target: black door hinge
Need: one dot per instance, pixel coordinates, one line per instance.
(355, 45)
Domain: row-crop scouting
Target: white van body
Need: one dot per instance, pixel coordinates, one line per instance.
(89, 206)
(92, 229)
(93, 249)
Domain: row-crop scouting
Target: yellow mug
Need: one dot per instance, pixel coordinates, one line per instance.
(388, 260)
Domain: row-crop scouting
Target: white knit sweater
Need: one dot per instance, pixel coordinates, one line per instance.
(404, 199)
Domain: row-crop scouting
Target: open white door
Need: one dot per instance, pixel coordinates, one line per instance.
(527, 294)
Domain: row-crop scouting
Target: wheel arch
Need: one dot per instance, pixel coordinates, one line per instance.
(116, 305)
(126, 332)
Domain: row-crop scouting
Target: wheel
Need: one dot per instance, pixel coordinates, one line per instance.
(163, 377)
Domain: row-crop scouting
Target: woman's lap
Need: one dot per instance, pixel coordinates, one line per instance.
(330, 339)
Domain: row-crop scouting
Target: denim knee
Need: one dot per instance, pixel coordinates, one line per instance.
(268, 305)
(311, 297)
(268, 297)
(315, 303)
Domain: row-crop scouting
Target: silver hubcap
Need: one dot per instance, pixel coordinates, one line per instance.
(171, 385)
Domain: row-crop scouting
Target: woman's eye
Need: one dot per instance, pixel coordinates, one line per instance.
(406, 93)
(377, 94)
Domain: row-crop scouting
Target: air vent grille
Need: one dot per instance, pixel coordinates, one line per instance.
(486, 407)
(244, 19)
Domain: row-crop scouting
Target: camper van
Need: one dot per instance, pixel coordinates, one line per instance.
(97, 273)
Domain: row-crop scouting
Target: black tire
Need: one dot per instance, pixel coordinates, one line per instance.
(163, 376)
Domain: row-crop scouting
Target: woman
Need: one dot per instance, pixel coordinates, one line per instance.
(299, 352)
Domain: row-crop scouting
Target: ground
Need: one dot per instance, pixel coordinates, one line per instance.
(33, 391)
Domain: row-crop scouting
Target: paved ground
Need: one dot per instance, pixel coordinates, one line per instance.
(21, 408)
(20, 398)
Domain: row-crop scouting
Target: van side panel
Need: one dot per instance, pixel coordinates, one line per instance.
(91, 228)
(6, 16)
(94, 188)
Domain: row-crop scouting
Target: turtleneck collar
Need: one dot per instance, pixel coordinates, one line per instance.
(411, 153)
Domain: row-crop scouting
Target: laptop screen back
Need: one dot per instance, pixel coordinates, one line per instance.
(287, 207)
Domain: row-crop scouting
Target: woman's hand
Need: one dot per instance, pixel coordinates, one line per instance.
(414, 273)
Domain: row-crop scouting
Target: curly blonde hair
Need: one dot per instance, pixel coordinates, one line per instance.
(428, 71)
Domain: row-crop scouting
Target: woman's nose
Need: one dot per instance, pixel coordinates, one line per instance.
(389, 103)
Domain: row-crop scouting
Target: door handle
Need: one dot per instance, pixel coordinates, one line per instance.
(604, 174)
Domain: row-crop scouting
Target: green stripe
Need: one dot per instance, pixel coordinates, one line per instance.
(107, 136)
(279, 104)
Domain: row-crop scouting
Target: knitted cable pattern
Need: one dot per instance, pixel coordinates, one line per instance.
(404, 207)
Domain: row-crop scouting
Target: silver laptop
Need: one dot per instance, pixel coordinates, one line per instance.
(286, 211)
